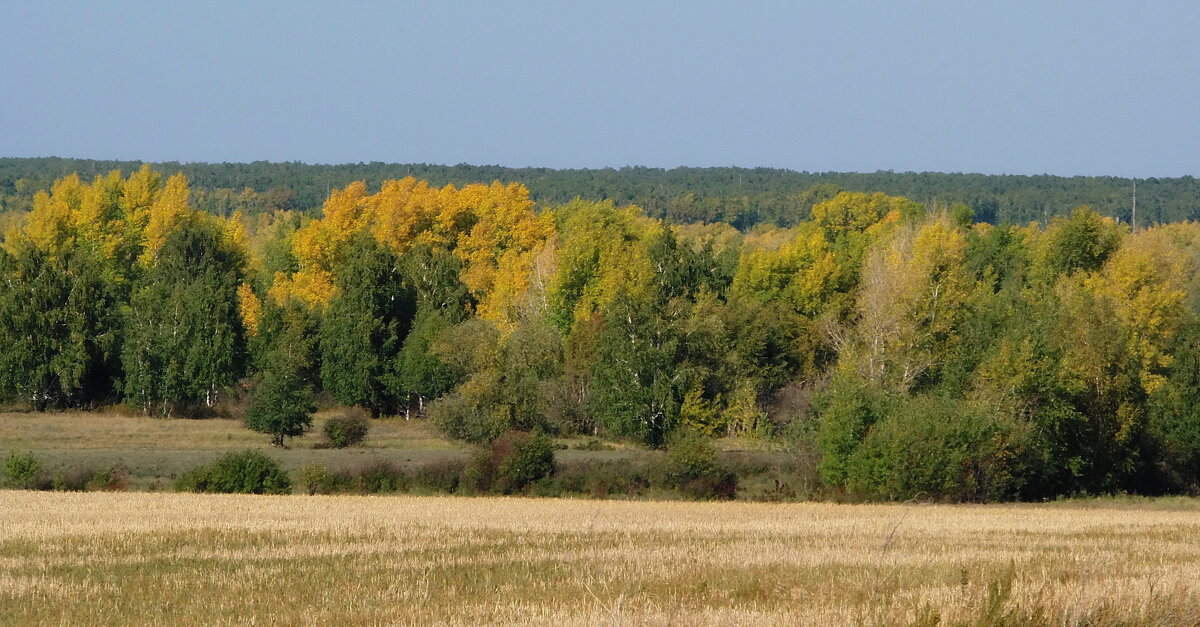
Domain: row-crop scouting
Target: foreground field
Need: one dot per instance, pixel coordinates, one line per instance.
(91, 558)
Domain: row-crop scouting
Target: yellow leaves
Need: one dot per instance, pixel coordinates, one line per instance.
(803, 272)
(914, 288)
(167, 211)
(321, 243)
(855, 212)
(1142, 281)
(250, 309)
(499, 250)
(491, 228)
(312, 287)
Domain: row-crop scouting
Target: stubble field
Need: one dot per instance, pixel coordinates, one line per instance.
(146, 558)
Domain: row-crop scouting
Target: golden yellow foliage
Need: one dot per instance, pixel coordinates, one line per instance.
(1143, 281)
(250, 308)
(167, 211)
(493, 229)
(802, 273)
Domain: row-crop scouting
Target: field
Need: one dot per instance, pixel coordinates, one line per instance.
(156, 450)
(142, 558)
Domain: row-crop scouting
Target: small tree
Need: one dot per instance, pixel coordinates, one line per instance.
(282, 401)
(282, 406)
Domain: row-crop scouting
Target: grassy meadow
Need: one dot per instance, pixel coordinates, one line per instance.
(157, 450)
(144, 558)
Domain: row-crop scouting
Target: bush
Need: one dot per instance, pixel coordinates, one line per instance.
(22, 470)
(246, 472)
(115, 478)
(74, 479)
(440, 476)
(940, 449)
(380, 478)
(530, 459)
(463, 417)
(346, 431)
(602, 479)
(692, 468)
(510, 464)
(316, 479)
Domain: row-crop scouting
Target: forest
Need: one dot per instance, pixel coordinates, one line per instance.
(743, 197)
(914, 347)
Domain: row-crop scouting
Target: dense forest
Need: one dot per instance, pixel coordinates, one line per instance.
(743, 197)
(914, 348)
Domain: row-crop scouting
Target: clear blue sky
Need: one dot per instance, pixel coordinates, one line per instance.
(995, 87)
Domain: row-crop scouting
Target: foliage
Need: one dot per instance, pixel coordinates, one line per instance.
(21, 470)
(245, 472)
(343, 431)
(510, 464)
(1057, 354)
(281, 403)
(692, 468)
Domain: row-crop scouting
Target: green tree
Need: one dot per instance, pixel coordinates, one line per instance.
(184, 337)
(58, 327)
(363, 328)
(282, 402)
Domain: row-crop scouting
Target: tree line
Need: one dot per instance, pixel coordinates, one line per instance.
(743, 197)
(914, 349)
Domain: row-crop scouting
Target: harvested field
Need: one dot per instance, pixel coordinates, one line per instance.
(142, 558)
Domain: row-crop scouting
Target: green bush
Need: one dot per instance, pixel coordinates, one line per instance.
(940, 449)
(115, 478)
(316, 479)
(22, 470)
(346, 431)
(245, 472)
(693, 469)
(602, 479)
(380, 478)
(462, 417)
(529, 459)
(511, 463)
(74, 479)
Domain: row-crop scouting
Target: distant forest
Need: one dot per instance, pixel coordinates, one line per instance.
(743, 197)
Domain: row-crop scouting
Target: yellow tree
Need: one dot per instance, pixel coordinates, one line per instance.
(1144, 283)
(802, 273)
(913, 291)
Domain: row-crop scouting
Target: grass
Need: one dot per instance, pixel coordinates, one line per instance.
(140, 558)
(157, 450)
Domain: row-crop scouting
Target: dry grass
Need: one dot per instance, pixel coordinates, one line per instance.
(91, 558)
(113, 431)
(157, 450)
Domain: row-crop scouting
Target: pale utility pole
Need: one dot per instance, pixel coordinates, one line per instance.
(1134, 218)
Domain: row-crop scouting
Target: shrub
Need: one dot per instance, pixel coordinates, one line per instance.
(530, 459)
(380, 478)
(602, 479)
(692, 468)
(346, 431)
(115, 478)
(316, 479)
(463, 417)
(510, 464)
(246, 472)
(440, 476)
(22, 470)
(927, 447)
(74, 479)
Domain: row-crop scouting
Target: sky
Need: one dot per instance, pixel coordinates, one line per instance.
(1067, 87)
